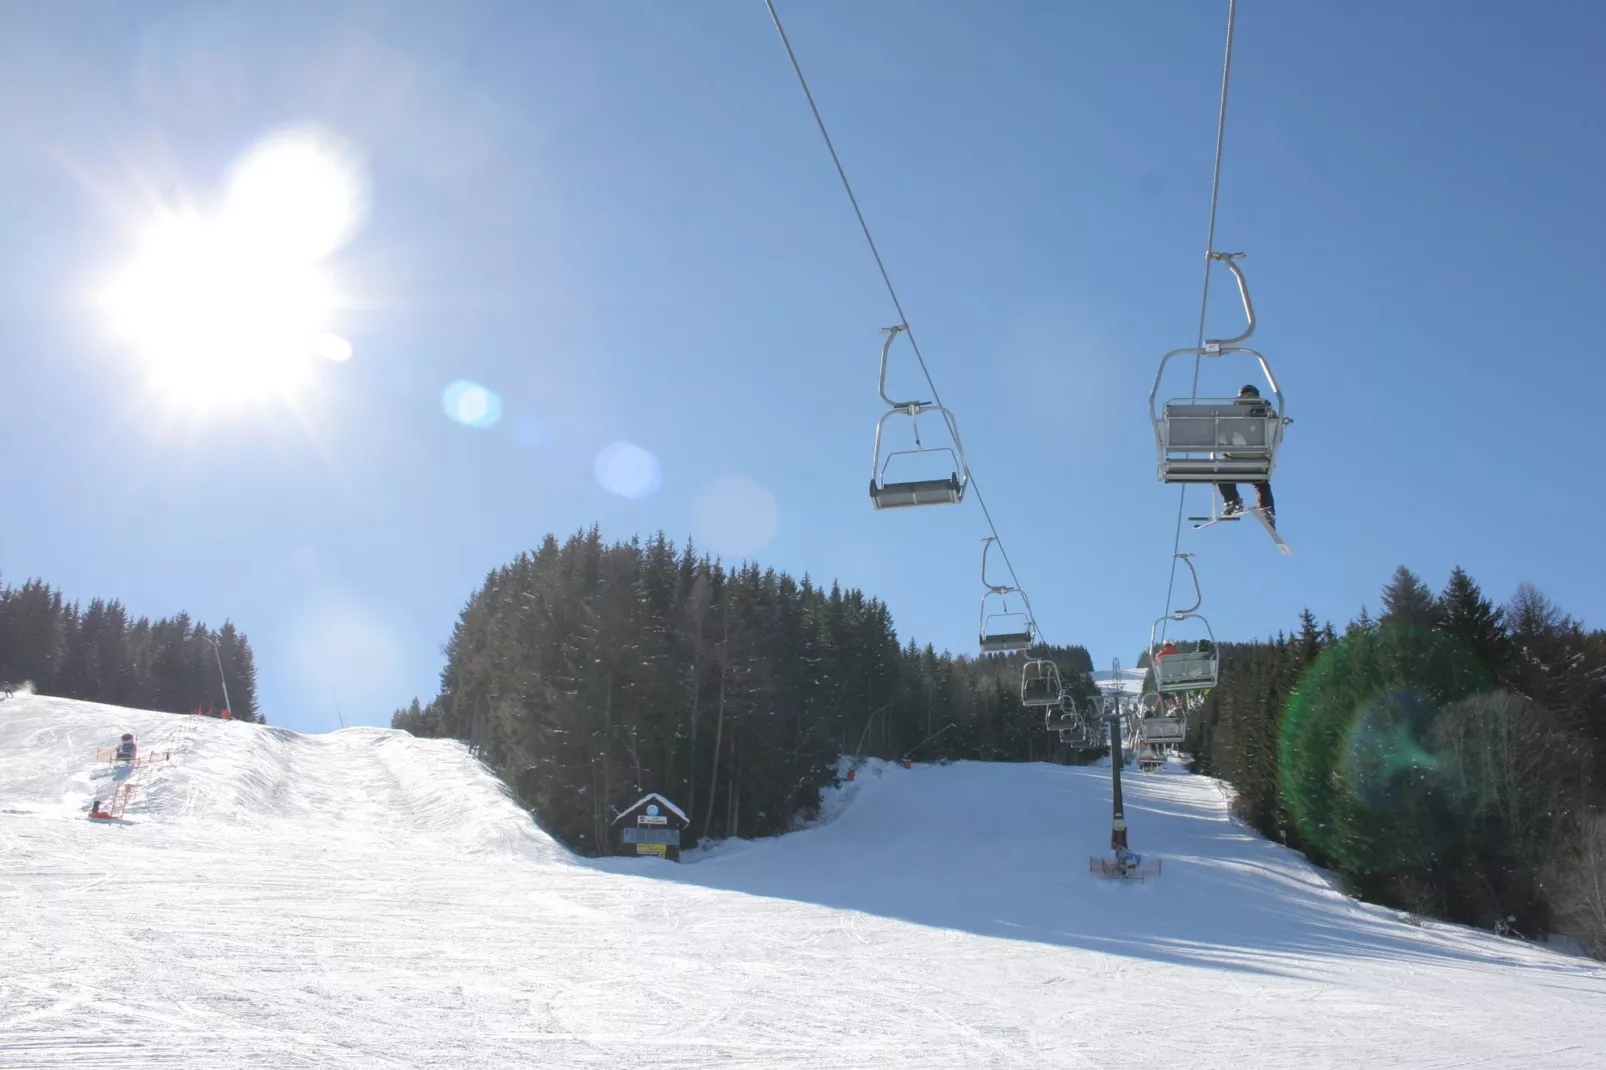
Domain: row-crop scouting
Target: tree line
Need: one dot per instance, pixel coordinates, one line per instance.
(97, 653)
(587, 674)
(1447, 757)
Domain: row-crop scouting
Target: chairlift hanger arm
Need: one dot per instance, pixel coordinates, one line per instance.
(913, 408)
(997, 588)
(1231, 260)
(1198, 595)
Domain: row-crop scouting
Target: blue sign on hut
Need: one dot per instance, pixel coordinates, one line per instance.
(651, 826)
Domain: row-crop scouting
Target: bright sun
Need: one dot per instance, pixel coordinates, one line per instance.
(237, 305)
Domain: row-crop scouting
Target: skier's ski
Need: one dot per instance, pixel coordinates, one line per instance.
(1272, 531)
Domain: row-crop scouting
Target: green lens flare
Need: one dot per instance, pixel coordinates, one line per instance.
(1360, 753)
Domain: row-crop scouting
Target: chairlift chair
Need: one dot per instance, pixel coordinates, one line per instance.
(1003, 629)
(1063, 715)
(1163, 729)
(997, 638)
(1194, 670)
(1040, 683)
(1080, 737)
(1219, 440)
(1074, 728)
(897, 495)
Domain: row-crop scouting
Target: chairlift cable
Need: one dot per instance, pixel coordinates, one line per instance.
(886, 278)
(1204, 300)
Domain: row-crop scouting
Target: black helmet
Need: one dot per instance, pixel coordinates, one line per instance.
(1248, 390)
(128, 737)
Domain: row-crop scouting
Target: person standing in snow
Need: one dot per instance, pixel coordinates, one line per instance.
(127, 748)
(1233, 505)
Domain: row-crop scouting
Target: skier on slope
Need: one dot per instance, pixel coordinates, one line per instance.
(127, 748)
(1233, 505)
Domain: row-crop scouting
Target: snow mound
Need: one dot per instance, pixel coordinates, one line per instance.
(375, 784)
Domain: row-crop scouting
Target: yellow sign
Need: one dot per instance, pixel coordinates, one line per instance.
(650, 849)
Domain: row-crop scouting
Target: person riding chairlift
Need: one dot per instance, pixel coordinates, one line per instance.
(1233, 505)
(127, 748)
(1166, 651)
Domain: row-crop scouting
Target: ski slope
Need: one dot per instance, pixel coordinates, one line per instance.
(1127, 682)
(366, 899)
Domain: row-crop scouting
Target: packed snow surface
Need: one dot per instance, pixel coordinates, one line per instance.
(366, 899)
(1126, 682)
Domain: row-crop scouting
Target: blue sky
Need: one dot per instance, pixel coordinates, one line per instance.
(620, 218)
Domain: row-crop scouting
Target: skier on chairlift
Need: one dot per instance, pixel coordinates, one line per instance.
(1232, 504)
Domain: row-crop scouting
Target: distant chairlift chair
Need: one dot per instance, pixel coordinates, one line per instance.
(893, 495)
(1186, 671)
(1219, 440)
(1074, 728)
(1003, 629)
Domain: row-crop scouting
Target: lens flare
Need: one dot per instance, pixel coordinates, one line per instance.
(471, 404)
(735, 516)
(629, 471)
(1361, 742)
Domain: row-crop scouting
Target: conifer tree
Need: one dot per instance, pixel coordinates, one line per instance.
(1408, 602)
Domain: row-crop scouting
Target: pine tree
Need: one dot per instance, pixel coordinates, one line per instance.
(1471, 618)
(1407, 601)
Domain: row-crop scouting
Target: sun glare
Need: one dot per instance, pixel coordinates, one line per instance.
(237, 305)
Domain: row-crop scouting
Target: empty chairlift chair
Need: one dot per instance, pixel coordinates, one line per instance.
(1063, 715)
(1003, 629)
(889, 494)
(1040, 683)
(1074, 728)
(1082, 737)
(1219, 440)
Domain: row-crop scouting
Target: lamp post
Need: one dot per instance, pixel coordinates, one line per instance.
(217, 653)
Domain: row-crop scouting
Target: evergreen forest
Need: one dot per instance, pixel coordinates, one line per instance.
(98, 654)
(1447, 757)
(588, 674)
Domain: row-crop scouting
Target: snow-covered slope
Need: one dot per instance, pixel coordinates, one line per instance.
(1127, 682)
(368, 899)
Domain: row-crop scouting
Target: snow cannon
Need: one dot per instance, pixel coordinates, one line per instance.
(1126, 866)
(114, 754)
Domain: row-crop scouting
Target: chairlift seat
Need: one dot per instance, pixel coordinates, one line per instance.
(1081, 737)
(1000, 642)
(917, 492)
(1038, 697)
(1163, 730)
(1186, 672)
(1237, 442)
